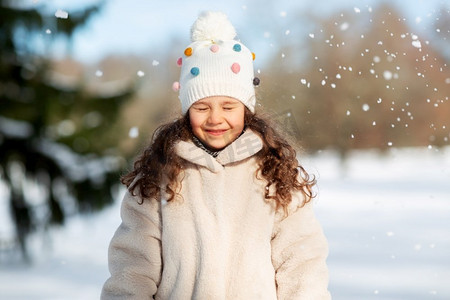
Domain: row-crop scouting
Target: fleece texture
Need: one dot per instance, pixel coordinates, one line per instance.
(219, 239)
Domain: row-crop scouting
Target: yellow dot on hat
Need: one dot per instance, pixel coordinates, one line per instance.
(235, 68)
(253, 55)
(188, 51)
(214, 48)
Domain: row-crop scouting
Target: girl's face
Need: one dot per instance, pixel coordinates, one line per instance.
(217, 121)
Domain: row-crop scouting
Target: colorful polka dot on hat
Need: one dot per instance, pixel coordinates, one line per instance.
(215, 64)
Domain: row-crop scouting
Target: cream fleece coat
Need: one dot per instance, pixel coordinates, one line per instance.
(220, 240)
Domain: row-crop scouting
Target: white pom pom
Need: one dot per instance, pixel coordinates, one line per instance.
(212, 26)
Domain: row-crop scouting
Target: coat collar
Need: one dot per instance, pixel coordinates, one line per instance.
(243, 147)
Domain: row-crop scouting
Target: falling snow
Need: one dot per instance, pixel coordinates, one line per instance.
(134, 132)
(365, 107)
(416, 44)
(387, 75)
(61, 14)
(344, 26)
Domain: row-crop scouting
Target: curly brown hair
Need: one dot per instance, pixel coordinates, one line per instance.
(278, 165)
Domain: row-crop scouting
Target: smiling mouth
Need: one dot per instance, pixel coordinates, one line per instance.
(216, 132)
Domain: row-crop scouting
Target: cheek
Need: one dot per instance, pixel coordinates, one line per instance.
(238, 121)
(193, 124)
(194, 120)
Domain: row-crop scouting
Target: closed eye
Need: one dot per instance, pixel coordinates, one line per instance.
(230, 106)
(201, 108)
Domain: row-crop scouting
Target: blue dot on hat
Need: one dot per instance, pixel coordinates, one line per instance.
(237, 47)
(195, 71)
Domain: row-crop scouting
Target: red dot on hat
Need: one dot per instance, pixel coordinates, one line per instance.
(235, 68)
(180, 62)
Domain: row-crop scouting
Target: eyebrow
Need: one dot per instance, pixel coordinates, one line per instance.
(229, 102)
(225, 102)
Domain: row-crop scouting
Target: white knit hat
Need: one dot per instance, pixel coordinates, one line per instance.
(215, 64)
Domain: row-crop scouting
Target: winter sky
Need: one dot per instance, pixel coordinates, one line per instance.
(135, 26)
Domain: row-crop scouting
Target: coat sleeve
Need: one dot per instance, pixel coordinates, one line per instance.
(134, 255)
(299, 252)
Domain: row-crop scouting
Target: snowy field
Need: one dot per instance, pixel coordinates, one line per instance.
(387, 219)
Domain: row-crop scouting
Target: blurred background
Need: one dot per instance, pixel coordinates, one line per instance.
(363, 86)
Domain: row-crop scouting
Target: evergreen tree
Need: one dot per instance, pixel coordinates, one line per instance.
(58, 141)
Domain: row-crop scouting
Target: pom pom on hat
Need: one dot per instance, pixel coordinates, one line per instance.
(212, 26)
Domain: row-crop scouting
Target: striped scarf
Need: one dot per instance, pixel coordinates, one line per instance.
(199, 144)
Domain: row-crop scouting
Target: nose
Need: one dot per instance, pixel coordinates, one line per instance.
(215, 117)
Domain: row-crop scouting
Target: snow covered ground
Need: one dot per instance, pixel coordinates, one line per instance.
(387, 218)
(388, 224)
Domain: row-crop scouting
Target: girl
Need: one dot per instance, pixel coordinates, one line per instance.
(217, 206)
